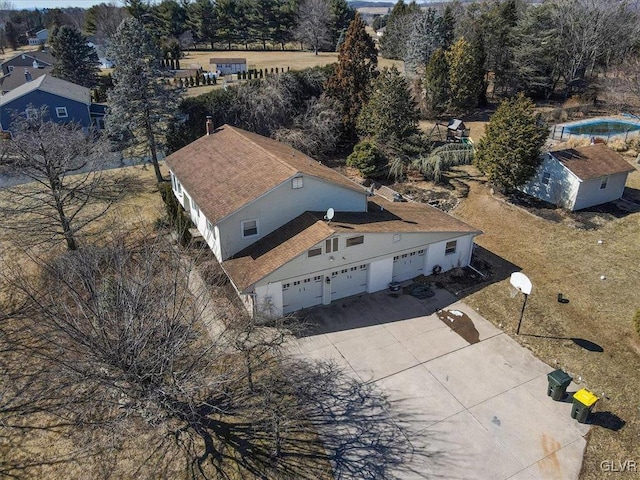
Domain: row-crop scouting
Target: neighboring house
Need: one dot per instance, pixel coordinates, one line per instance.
(20, 76)
(66, 102)
(580, 177)
(262, 208)
(101, 51)
(40, 38)
(228, 66)
(33, 59)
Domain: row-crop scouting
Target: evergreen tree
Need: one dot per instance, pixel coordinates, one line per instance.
(170, 18)
(509, 152)
(262, 20)
(342, 15)
(391, 114)
(436, 83)
(201, 19)
(138, 8)
(368, 159)
(448, 27)
(463, 80)
(227, 14)
(140, 105)
(76, 61)
(285, 21)
(350, 83)
(11, 33)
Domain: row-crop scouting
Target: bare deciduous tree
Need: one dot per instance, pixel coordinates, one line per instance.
(67, 191)
(112, 346)
(316, 131)
(314, 20)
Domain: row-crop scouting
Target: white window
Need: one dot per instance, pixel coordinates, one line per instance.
(359, 240)
(451, 247)
(603, 183)
(196, 208)
(396, 237)
(296, 182)
(61, 112)
(331, 245)
(178, 185)
(31, 112)
(10, 68)
(249, 228)
(314, 252)
(546, 176)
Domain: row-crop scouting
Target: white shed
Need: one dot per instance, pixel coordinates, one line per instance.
(228, 66)
(580, 177)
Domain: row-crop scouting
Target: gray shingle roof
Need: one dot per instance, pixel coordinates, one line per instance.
(49, 84)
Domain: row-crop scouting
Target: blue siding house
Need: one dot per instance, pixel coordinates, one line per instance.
(65, 101)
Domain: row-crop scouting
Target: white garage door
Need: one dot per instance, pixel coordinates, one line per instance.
(348, 281)
(408, 265)
(301, 293)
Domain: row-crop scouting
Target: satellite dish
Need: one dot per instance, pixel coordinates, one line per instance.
(330, 214)
(520, 281)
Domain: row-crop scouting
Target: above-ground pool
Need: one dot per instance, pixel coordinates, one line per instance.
(597, 127)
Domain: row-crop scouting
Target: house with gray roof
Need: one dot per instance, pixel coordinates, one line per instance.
(65, 101)
(34, 59)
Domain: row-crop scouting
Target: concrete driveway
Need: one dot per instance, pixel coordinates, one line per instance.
(472, 399)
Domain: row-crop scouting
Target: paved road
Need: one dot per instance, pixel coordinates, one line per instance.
(474, 401)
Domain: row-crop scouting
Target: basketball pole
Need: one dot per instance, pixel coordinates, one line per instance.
(524, 304)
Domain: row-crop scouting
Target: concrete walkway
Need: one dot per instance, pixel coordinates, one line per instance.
(475, 400)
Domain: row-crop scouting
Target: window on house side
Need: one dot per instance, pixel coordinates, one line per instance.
(603, 183)
(331, 245)
(31, 113)
(61, 112)
(314, 252)
(196, 208)
(359, 240)
(249, 228)
(546, 176)
(451, 247)
(296, 182)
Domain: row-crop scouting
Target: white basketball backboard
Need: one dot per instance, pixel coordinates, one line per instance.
(520, 281)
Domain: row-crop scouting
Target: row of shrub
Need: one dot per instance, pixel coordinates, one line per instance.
(259, 73)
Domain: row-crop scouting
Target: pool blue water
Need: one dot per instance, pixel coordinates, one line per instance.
(602, 127)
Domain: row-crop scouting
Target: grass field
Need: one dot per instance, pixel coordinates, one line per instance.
(294, 60)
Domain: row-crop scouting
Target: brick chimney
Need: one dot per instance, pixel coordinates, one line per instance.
(209, 125)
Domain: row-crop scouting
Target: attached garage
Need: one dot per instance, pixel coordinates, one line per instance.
(348, 281)
(408, 265)
(301, 293)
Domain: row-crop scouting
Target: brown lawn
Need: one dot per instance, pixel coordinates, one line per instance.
(294, 60)
(559, 258)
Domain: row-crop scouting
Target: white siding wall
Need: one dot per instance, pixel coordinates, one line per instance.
(562, 187)
(591, 194)
(282, 205)
(377, 251)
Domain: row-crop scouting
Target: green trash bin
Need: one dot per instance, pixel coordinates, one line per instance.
(558, 383)
(583, 402)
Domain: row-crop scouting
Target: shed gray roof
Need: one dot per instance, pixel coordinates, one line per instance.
(227, 61)
(49, 84)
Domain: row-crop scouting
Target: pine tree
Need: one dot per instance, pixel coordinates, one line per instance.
(350, 84)
(436, 83)
(76, 61)
(342, 15)
(11, 33)
(463, 78)
(201, 18)
(398, 30)
(509, 152)
(391, 115)
(448, 27)
(140, 105)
